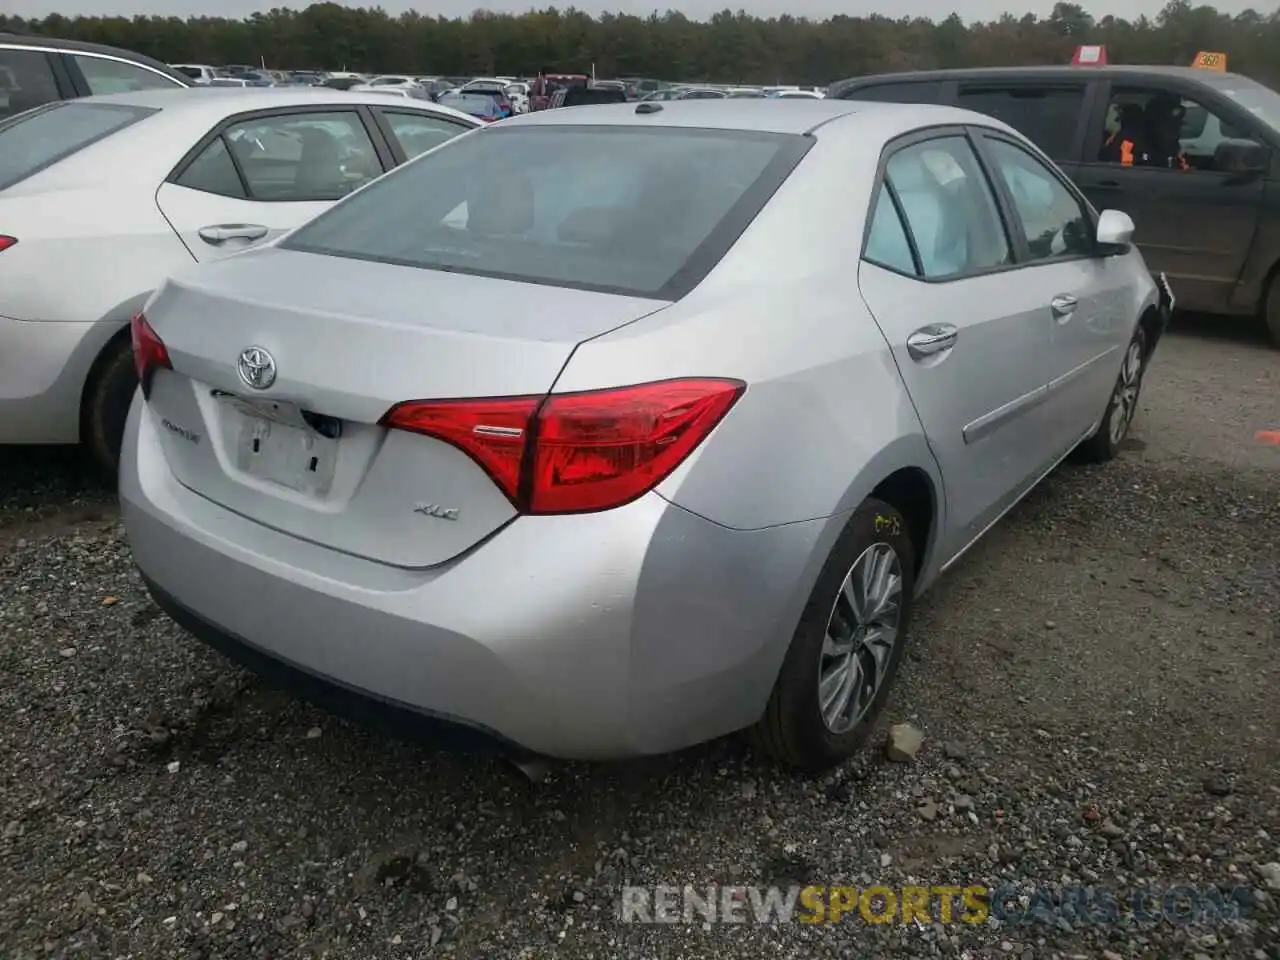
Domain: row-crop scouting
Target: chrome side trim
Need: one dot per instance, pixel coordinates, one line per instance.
(989, 423)
(1062, 381)
(1013, 503)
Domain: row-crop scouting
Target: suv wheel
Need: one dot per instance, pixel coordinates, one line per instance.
(1271, 310)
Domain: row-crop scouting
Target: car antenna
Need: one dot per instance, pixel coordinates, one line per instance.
(648, 107)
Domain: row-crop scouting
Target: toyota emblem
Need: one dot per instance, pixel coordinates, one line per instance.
(257, 368)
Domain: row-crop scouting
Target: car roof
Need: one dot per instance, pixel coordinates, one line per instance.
(213, 103)
(756, 115)
(8, 39)
(1052, 72)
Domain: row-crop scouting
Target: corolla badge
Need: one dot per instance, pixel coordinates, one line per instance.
(257, 368)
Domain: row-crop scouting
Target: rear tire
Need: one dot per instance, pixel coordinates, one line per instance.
(105, 407)
(794, 729)
(1122, 406)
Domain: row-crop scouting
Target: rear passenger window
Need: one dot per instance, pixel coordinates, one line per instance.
(1047, 115)
(26, 81)
(921, 91)
(114, 76)
(949, 207)
(304, 156)
(887, 244)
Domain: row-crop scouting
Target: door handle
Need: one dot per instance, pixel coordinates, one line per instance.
(1062, 305)
(1107, 185)
(221, 233)
(932, 340)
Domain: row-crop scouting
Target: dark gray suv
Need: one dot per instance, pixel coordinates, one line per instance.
(1192, 155)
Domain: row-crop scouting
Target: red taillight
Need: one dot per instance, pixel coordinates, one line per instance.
(577, 452)
(7, 242)
(149, 353)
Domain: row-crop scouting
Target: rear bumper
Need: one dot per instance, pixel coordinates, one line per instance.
(639, 630)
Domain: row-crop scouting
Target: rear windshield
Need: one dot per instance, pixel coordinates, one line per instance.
(32, 142)
(643, 212)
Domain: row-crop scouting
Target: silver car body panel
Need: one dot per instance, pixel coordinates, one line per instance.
(663, 622)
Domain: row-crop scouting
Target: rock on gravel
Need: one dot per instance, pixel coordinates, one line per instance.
(1073, 757)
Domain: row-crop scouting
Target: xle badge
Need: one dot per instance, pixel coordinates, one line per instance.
(437, 511)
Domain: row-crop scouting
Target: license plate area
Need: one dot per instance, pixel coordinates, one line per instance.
(271, 440)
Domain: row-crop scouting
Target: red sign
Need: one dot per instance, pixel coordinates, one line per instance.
(1090, 56)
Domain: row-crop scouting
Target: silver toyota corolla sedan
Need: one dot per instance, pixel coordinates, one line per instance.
(611, 430)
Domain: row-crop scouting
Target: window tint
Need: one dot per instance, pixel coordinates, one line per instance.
(1053, 219)
(26, 81)
(304, 156)
(949, 207)
(214, 172)
(887, 243)
(918, 92)
(112, 76)
(1048, 116)
(1147, 127)
(610, 208)
(418, 132)
(30, 144)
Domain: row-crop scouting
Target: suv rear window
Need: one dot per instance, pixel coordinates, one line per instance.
(30, 143)
(1048, 115)
(643, 212)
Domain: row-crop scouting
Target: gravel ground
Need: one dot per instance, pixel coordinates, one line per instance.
(1096, 685)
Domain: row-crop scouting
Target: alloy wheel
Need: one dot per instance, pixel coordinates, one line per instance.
(1124, 404)
(861, 633)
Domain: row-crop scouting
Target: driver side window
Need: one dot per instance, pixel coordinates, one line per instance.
(1148, 127)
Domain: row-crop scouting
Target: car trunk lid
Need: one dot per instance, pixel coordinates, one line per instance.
(346, 340)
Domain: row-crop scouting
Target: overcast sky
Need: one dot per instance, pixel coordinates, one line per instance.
(699, 9)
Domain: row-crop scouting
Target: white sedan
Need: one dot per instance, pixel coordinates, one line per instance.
(102, 198)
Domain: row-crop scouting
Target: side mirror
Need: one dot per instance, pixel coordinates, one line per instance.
(1244, 160)
(1115, 233)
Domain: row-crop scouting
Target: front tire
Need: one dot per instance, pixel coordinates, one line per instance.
(848, 645)
(106, 406)
(1122, 407)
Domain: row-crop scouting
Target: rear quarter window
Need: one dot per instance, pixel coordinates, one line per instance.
(32, 143)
